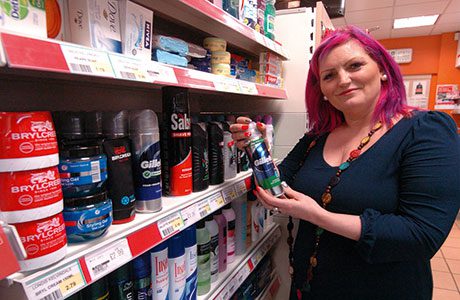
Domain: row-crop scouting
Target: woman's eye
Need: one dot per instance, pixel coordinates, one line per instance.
(327, 76)
(356, 65)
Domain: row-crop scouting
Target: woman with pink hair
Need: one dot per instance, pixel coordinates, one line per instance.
(374, 182)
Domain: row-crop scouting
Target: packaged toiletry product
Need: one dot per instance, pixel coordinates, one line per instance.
(96, 24)
(200, 160)
(229, 214)
(56, 19)
(160, 271)
(136, 24)
(239, 205)
(121, 283)
(169, 58)
(170, 44)
(215, 148)
(189, 236)
(141, 272)
(98, 290)
(215, 44)
(213, 228)
(26, 17)
(222, 223)
(177, 268)
(203, 240)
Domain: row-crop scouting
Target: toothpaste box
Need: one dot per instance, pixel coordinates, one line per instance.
(26, 17)
(136, 30)
(95, 23)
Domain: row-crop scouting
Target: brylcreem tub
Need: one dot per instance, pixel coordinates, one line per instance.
(44, 240)
(30, 195)
(27, 141)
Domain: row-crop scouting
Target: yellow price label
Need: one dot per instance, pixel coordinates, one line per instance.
(70, 283)
(177, 223)
(220, 201)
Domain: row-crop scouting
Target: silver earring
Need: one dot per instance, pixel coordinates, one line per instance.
(325, 98)
(384, 77)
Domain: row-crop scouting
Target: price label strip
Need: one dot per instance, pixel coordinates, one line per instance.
(190, 215)
(87, 61)
(159, 72)
(216, 201)
(56, 285)
(240, 188)
(248, 88)
(225, 84)
(170, 224)
(108, 259)
(129, 68)
(259, 38)
(204, 208)
(229, 194)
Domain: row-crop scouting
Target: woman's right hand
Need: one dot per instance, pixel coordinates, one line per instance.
(240, 133)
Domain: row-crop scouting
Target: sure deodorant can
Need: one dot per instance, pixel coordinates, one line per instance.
(176, 142)
(266, 174)
(145, 138)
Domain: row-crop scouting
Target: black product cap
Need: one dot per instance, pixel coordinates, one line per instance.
(93, 124)
(209, 218)
(69, 125)
(85, 201)
(175, 99)
(201, 223)
(115, 124)
(227, 206)
(218, 212)
(96, 290)
(80, 148)
(121, 274)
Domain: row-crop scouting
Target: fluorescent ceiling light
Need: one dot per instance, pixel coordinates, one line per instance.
(415, 21)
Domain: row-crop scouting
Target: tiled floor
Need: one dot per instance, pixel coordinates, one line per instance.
(446, 267)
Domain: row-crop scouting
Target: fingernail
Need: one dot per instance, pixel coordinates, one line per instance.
(259, 124)
(244, 127)
(254, 192)
(247, 134)
(248, 120)
(284, 184)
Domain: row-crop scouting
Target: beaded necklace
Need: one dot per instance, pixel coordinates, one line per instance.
(326, 198)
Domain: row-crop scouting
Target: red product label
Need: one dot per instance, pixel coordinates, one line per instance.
(27, 134)
(181, 177)
(42, 237)
(30, 189)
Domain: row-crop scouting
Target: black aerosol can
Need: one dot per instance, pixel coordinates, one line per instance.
(200, 162)
(216, 156)
(266, 174)
(176, 142)
(117, 147)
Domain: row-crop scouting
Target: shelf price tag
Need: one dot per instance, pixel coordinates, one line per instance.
(159, 72)
(216, 201)
(225, 84)
(190, 215)
(87, 61)
(108, 259)
(204, 208)
(129, 68)
(240, 188)
(259, 38)
(56, 285)
(229, 194)
(170, 224)
(248, 87)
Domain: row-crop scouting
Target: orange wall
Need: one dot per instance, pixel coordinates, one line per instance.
(432, 55)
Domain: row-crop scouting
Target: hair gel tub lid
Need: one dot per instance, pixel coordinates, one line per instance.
(27, 141)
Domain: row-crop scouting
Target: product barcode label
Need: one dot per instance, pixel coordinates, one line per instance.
(229, 194)
(170, 224)
(79, 68)
(190, 215)
(128, 75)
(57, 284)
(129, 68)
(240, 188)
(56, 295)
(216, 201)
(204, 208)
(95, 171)
(225, 84)
(81, 60)
(108, 259)
(248, 88)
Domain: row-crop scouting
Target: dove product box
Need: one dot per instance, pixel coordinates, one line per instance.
(136, 30)
(96, 24)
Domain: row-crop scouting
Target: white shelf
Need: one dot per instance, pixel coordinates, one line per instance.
(230, 280)
(56, 59)
(128, 240)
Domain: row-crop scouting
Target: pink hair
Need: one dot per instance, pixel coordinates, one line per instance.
(322, 116)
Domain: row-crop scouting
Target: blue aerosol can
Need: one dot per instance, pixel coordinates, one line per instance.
(264, 169)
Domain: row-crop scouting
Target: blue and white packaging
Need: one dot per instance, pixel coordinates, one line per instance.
(160, 271)
(189, 235)
(177, 268)
(142, 279)
(96, 24)
(136, 30)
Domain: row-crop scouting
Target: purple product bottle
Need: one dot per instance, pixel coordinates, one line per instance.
(222, 223)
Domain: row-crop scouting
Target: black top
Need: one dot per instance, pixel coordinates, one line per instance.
(405, 188)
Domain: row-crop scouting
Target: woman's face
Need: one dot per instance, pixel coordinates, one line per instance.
(350, 79)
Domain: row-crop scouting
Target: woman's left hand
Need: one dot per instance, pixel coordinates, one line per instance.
(294, 204)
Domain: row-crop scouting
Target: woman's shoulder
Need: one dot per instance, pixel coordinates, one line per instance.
(432, 121)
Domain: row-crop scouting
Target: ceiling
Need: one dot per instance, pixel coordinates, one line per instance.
(371, 13)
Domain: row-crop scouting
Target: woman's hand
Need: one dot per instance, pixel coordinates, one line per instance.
(294, 204)
(240, 133)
